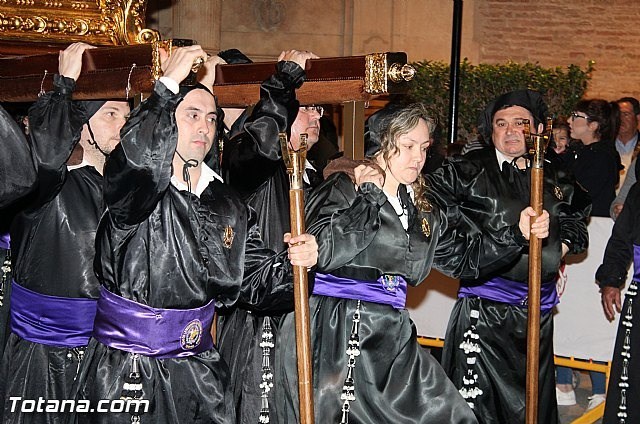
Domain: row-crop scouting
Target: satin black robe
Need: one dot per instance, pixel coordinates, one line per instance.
(5, 287)
(396, 381)
(253, 165)
(473, 188)
(17, 177)
(165, 248)
(52, 240)
(17, 173)
(613, 272)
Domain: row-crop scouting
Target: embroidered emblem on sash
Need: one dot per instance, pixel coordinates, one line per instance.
(227, 238)
(390, 282)
(426, 228)
(558, 193)
(191, 335)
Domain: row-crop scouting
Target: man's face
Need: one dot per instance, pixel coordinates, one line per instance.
(628, 119)
(196, 119)
(106, 124)
(307, 121)
(508, 131)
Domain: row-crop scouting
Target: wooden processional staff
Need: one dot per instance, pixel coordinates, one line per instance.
(295, 161)
(537, 144)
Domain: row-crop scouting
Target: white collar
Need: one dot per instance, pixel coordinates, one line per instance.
(80, 165)
(400, 211)
(206, 176)
(307, 165)
(502, 159)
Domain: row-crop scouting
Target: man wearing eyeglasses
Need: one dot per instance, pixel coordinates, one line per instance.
(253, 165)
(627, 137)
(485, 344)
(628, 147)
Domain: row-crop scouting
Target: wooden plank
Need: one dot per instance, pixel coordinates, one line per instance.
(105, 73)
(108, 71)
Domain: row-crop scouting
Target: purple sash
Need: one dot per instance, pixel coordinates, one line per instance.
(51, 320)
(511, 292)
(5, 241)
(636, 262)
(160, 333)
(390, 290)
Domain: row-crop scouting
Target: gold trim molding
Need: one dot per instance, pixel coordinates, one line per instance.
(375, 77)
(382, 69)
(97, 22)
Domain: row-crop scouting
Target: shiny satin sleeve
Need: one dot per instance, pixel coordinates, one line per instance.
(267, 284)
(257, 147)
(17, 173)
(138, 171)
(619, 251)
(466, 248)
(573, 215)
(55, 125)
(343, 220)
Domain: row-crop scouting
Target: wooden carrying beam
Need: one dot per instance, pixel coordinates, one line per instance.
(107, 73)
(119, 72)
(329, 80)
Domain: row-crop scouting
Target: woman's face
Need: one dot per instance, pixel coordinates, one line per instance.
(561, 138)
(581, 128)
(407, 161)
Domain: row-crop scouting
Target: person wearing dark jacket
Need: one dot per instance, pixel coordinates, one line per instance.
(623, 248)
(597, 165)
(54, 289)
(175, 244)
(378, 233)
(485, 343)
(253, 164)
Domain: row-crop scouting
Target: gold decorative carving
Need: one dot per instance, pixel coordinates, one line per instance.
(126, 20)
(399, 72)
(97, 22)
(375, 77)
(381, 69)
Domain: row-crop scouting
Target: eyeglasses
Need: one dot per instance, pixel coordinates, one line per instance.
(575, 115)
(312, 108)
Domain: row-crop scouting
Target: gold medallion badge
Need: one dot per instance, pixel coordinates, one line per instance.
(228, 237)
(426, 228)
(558, 193)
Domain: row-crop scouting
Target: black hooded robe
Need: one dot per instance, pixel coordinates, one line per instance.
(170, 249)
(52, 240)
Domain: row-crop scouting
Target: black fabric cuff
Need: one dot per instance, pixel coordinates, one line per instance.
(612, 282)
(63, 85)
(291, 73)
(518, 236)
(373, 193)
(165, 95)
(568, 243)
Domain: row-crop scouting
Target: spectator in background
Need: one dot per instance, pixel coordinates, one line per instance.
(596, 167)
(627, 137)
(628, 148)
(560, 150)
(594, 122)
(630, 179)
